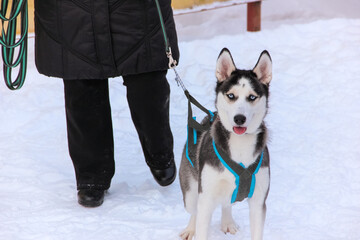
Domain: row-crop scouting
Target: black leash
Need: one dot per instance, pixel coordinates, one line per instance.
(172, 62)
(193, 125)
(172, 65)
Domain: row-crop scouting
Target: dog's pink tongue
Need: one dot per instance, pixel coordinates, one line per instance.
(239, 130)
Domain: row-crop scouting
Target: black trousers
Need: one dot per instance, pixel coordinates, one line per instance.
(89, 125)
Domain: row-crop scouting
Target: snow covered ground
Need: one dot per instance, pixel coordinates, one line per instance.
(314, 122)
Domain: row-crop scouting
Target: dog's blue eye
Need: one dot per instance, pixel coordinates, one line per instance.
(230, 96)
(252, 98)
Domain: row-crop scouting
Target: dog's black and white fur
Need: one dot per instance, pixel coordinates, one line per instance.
(239, 130)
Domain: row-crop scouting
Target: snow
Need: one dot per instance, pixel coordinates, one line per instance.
(314, 123)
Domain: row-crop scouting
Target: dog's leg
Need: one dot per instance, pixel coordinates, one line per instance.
(257, 204)
(189, 231)
(257, 219)
(227, 222)
(205, 208)
(190, 200)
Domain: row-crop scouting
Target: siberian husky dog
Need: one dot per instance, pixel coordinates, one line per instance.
(239, 131)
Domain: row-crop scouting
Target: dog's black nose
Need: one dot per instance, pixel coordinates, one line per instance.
(239, 119)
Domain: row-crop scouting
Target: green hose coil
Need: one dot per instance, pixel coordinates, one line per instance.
(19, 9)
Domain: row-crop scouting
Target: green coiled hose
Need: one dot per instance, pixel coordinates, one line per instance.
(18, 11)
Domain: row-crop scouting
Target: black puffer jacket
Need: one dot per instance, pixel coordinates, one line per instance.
(92, 39)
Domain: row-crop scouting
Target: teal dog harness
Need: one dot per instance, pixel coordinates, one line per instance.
(244, 177)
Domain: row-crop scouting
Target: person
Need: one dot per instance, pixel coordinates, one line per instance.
(87, 42)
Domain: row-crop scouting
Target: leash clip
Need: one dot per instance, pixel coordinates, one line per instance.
(172, 61)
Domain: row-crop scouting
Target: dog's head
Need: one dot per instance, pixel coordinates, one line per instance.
(242, 95)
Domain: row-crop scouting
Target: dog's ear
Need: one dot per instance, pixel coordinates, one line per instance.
(224, 65)
(263, 68)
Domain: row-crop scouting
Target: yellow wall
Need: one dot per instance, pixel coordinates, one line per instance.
(179, 4)
(31, 15)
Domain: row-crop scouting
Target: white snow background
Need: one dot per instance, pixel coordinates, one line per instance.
(314, 122)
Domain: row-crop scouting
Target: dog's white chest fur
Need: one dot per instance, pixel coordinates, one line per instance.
(242, 148)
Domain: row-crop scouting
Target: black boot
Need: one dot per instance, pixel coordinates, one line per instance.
(165, 176)
(91, 197)
(148, 97)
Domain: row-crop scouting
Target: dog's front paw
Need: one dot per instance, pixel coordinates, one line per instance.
(229, 227)
(187, 234)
